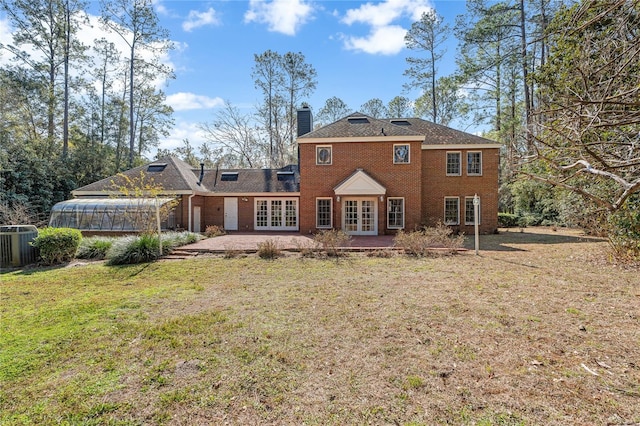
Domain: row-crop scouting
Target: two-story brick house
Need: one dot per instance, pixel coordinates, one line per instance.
(364, 175)
(369, 176)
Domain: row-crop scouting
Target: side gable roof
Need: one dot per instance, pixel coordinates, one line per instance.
(174, 175)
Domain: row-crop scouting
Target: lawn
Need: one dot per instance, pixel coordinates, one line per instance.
(540, 329)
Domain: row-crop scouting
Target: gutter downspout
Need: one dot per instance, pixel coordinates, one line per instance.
(190, 227)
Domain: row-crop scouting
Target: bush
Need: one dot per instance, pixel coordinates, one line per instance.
(214, 231)
(624, 231)
(269, 249)
(331, 240)
(134, 249)
(507, 220)
(530, 219)
(94, 248)
(306, 248)
(171, 240)
(422, 243)
(57, 245)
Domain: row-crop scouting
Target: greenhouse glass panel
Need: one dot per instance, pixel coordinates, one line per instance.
(107, 214)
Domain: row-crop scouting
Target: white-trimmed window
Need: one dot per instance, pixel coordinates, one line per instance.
(401, 154)
(276, 214)
(324, 155)
(395, 213)
(451, 210)
(324, 212)
(469, 211)
(453, 164)
(474, 163)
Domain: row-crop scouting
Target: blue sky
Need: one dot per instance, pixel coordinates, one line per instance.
(356, 47)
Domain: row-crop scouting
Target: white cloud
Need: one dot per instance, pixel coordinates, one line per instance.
(386, 40)
(198, 19)
(181, 131)
(384, 36)
(189, 101)
(282, 16)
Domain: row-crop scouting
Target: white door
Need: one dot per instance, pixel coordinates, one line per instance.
(196, 219)
(360, 216)
(231, 213)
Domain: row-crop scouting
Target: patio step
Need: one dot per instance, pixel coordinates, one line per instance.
(181, 255)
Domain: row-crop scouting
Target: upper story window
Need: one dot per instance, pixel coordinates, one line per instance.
(323, 155)
(474, 163)
(401, 154)
(453, 164)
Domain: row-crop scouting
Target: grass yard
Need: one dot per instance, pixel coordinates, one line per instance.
(538, 330)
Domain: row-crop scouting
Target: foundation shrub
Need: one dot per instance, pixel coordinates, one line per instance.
(214, 231)
(94, 248)
(57, 245)
(134, 249)
(423, 242)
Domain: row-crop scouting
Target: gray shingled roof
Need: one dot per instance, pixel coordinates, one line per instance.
(175, 176)
(360, 125)
(437, 134)
(286, 179)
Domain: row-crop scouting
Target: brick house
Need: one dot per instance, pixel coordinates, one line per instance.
(364, 175)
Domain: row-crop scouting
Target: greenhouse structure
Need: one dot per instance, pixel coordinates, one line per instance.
(111, 214)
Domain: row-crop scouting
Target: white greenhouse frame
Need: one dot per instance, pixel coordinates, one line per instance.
(108, 214)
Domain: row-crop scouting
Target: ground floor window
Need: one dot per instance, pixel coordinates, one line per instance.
(469, 218)
(452, 211)
(276, 214)
(395, 213)
(323, 213)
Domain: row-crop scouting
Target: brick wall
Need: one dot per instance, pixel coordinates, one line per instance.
(376, 159)
(437, 185)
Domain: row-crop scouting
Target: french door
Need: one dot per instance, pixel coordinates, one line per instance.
(276, 214)
(360, 216)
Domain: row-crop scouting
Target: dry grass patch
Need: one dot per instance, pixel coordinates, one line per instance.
(530, 332)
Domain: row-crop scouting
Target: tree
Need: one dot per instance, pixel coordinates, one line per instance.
(235, 140)
(374, 108)
(299, 81)
(136, 23)
(589, 112)
(449, 103)
(283, 80)
(47, 27)
(334, 109)
(427, 35)
(400, 106)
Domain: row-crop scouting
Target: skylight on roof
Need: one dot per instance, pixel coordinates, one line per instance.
(401, 122)
(285, 175)
(157, 167)
(229, 176)
(358, 120)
